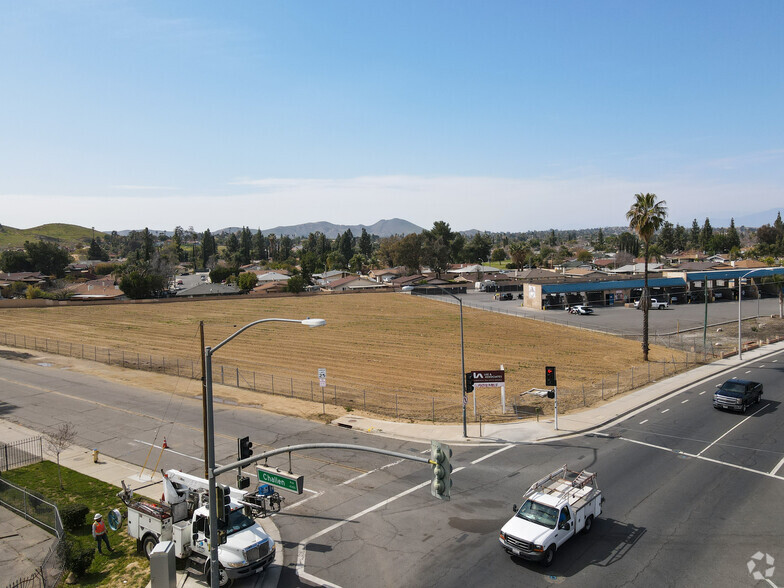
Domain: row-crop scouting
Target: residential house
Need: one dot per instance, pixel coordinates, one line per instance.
(352, 283)
(99, 289)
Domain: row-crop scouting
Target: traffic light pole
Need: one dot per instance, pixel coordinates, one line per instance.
(555, 405)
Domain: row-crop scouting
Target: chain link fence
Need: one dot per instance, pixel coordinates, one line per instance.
(400, 406)
(35, 508)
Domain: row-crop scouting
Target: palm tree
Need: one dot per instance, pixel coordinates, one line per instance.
(645, 217)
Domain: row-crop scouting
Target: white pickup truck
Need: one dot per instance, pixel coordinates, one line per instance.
(183, 518)
(554, 510)
(654, 304)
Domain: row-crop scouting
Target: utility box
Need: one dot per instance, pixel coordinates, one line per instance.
(163, 569)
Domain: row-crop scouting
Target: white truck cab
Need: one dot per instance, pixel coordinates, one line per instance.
(554, 510)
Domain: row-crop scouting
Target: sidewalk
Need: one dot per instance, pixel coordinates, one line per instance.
(530, 431)
(113, 471)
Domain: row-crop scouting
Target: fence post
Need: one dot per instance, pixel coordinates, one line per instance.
(139, 363)
(108, 356)
(311, 390)
(434, 409)
(178, 370)
(618, 385)
(292, 387)
(122, 355)
(335, 392)
(238, 377)
(192, 368)
(254, 379)
(164, 364)
(396, 413)
(602, 388)
(583, 394)
(364, 399)
(272, 380)
(632, 377)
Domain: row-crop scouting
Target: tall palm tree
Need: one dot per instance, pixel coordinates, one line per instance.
(645, 217)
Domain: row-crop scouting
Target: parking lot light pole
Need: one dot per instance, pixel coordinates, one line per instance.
(462, 356)
(208, 352)
(740, 297)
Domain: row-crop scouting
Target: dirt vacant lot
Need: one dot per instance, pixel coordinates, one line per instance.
(393, 343)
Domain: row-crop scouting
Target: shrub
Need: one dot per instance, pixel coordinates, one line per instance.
(76, 557)
(73, 516)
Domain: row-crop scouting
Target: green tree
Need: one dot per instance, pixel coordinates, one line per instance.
(138, 282)
(666, 238)
(409, 253)
(387, 250)
(246, 245)
(346, 246)
(520, 253)
(96, 251)
(15, 261)
(259, 246)
(147, 244)
(706, 234)
(47, 258)
(479, 248)
(645, 217)
(733, 239)
(177, 240)
(600, 240)
(680, 239)
(208, 249)
(246, 281)
(629, 243)
(220, 273)
(694, 235)
(365, 244)
(296, 284)
(498, 255)
(232, 248)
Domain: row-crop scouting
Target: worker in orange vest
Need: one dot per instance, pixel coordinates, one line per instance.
(99, 533)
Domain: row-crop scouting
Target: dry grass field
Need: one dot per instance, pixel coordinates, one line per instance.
(376, 342)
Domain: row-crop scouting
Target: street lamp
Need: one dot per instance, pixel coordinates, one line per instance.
(208, 351)
(462, 355)
(740, 296)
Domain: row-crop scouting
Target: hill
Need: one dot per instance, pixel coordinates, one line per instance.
(60, 233)
(382, 228)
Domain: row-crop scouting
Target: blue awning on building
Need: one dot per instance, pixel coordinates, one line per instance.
(734, 274)
(611, 285)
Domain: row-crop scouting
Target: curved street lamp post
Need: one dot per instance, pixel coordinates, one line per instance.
(740, 297)
(208, 352)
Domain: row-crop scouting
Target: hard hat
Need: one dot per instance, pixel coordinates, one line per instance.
(97, 517)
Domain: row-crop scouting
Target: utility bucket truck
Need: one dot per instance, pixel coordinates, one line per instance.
(183, 518)
(554, 510)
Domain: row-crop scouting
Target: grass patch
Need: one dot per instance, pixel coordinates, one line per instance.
(124, 567)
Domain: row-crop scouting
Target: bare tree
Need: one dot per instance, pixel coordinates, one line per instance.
(58, 440)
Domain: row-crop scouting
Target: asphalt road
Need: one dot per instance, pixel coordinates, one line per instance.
(691, 493)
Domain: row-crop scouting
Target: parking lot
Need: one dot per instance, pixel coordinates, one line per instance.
(620, 320)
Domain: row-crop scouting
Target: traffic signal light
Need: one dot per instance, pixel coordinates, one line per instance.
(469, 381)
(549, 376)
(440, 453)
(244, 446)
(243, 482)
(223, 536)
(223, 502)
(551, 394)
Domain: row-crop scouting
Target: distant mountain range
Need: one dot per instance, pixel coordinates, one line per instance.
(383, 228)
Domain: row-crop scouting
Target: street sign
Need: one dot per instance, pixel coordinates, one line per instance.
(273, 477)
(322, 375)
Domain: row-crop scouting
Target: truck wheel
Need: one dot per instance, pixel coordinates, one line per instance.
(588, 524)
(148, 544)
(549, 557)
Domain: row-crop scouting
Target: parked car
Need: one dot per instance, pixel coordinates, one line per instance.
(737, 395)
(580, 309)
(505, 296)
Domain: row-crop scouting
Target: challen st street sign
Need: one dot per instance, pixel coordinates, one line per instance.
(286, 481)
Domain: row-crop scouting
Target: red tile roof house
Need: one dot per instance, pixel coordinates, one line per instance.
(101, 289)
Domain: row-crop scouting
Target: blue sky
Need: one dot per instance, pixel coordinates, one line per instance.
(502, 116)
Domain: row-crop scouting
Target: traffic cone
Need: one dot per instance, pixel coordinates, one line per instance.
(165, 445)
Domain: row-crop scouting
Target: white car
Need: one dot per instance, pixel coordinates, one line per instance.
(581, 309)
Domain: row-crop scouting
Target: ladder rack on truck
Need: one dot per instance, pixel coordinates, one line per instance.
(569, 484)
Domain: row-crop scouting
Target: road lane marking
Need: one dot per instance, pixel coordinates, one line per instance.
(703, 392)
(665, 410)
(153, 445)
(643, 422)
(748, 371)
(778, 466)
(702, 457)
(355, 478)
(496, 452)
(733, 428)
(685, 401)
(302, 548)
